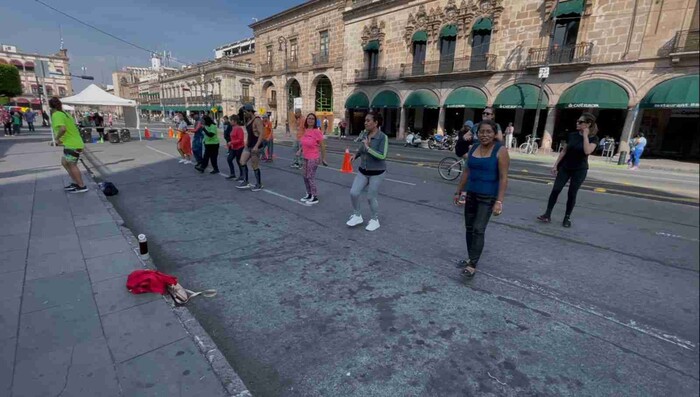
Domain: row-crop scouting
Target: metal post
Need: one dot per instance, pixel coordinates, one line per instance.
(46, 98)
(546, 63)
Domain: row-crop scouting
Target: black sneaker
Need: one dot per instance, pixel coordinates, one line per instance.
(79, 189)
(243, 185)
(231, 177)
(214, 172)
(240, 179)
(257, 188)
(201, 170)
(312, 201)
(566, 222)
(70, 187)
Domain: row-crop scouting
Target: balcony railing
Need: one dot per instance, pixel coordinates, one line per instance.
(320, 59)
(266, 67)
(572, 54)
(376, 74)
(247, 100)
(451, 65)
(272, 102)
(686, 41)
(292, 64)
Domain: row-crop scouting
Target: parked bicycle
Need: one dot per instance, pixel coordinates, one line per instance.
(450, 168)
(530, 146)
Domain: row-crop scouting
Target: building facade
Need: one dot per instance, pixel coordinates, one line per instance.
(58, 83)
(240, 51)
(300, 61)
(431, 65)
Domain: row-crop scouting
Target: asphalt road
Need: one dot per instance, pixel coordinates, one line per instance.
(309, 307)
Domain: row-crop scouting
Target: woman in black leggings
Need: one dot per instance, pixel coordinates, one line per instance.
(572, 164)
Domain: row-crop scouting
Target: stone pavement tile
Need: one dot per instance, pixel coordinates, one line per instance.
(40, 246)
(104, 246)
(112, 296)
(141, 329)
(65, 289)
(66, 325)
(9, 315)
(54, 264)
(173, 370)
(11, 284)
(17, 189)
(15, 224)
(7, 361)
(113, 265)
(83, 369)
(14, 242)
(13, 261)
(55, 225)
(50, 182)
(92, 218)
(98, 231)
(17, 204)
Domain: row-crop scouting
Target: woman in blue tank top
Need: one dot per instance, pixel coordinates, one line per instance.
(486, 180)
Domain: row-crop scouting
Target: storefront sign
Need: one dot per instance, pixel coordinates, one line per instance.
(583, 105)
(676, 105)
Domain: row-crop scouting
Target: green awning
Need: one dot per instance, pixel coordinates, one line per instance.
(386, 99)
(597, 93)
(420, 36)
(569, 7)
(357, 100)
(520, 96)
(372, 46)
(680, 92)
(483, 24)
(448, 31)
(422, 99)
(466, 97)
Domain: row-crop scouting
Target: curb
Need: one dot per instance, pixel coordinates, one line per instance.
(228, 377)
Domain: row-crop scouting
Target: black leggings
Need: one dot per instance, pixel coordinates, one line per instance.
(477, 212)
(211, 152)
(577, 177)
(234, 154)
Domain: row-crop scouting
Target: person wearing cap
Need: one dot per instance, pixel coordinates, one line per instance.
(255, 129)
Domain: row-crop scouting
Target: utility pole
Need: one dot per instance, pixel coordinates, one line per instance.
(544, 74)
(44, 71)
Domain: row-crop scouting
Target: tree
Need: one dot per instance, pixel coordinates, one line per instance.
(10, 84)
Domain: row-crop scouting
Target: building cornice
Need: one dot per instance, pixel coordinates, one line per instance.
(40, 57)
(295, 14)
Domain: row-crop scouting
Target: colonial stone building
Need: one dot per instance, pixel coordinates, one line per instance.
(431, 65)
(300, 61)
(58, 83)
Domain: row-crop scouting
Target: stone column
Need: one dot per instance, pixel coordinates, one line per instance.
(402, 124)
(631, 125)
(548, 130)
(518, 122)
(441, 121)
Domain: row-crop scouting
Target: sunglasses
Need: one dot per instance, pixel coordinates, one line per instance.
(581, 122)
(487, 114)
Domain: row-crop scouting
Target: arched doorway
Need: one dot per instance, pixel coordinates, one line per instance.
(293, 92)
(270, 100)
(323, 103)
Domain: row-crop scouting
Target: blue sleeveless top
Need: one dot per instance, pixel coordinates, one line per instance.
(483, 172)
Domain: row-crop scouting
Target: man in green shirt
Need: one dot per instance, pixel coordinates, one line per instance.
(16, 122)
(68, 136)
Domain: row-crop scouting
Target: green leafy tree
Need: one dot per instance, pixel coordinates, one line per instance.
(10, 84)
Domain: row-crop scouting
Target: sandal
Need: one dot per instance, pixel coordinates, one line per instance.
(469, 274)
(544, 219)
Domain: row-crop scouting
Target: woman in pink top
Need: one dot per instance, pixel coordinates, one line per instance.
(314, 151)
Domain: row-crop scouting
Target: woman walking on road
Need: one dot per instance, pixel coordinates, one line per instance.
(235, 148)
(311, 142)
(372, 152)
(197, 139)
(254, 127)
(640, 142)
(572, 165)
(211, 146)
(486, 180)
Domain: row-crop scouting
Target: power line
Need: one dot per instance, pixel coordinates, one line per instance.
(101, 31)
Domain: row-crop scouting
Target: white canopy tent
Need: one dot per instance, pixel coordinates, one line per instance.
(96, 96)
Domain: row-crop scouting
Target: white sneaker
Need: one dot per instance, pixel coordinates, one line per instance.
(372, 225)
(305, 198)
(355, 220)
(182, 161)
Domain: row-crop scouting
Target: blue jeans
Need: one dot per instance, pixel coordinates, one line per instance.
(637, 155)
(477, 213)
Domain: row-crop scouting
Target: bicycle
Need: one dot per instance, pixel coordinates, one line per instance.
(450, 168)
(530, 146)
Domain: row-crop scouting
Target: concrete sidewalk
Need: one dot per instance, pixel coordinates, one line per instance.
(68, 326)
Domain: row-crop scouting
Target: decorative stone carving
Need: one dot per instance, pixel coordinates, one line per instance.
(464, 16)
(373, 31)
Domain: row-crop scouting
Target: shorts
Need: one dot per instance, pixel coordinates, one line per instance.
(250, 151)
(72, 155)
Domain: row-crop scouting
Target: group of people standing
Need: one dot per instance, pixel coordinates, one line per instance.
(13, 120)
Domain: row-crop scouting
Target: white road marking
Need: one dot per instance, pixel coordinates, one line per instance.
(647, 330)
(161, 152)
(676, 236)
(284, 197)
(355, 173)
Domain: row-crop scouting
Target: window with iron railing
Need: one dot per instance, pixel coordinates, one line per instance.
(686, 41)
(324, 47)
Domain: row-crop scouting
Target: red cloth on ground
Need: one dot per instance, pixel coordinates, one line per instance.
(143, 281)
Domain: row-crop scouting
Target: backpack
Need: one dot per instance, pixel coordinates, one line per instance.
(109, 189)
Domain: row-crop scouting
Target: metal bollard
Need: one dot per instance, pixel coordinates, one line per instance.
(143, 246)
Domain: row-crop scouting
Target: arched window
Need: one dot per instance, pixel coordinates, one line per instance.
(324, 95)
(448, 43)
(420, 40)
(481, 43)
(62, 91)
(49, 90)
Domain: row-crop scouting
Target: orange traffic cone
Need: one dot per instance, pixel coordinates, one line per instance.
(347, 163)
(147, 133)
(171, 133)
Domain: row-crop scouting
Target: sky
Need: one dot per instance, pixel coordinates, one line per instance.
(191, 30)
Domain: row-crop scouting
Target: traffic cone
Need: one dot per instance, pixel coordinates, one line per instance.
(347, 163)
(102, 140)
(171, 133)
(147, 133)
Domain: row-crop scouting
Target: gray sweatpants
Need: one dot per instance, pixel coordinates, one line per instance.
(372, 184)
